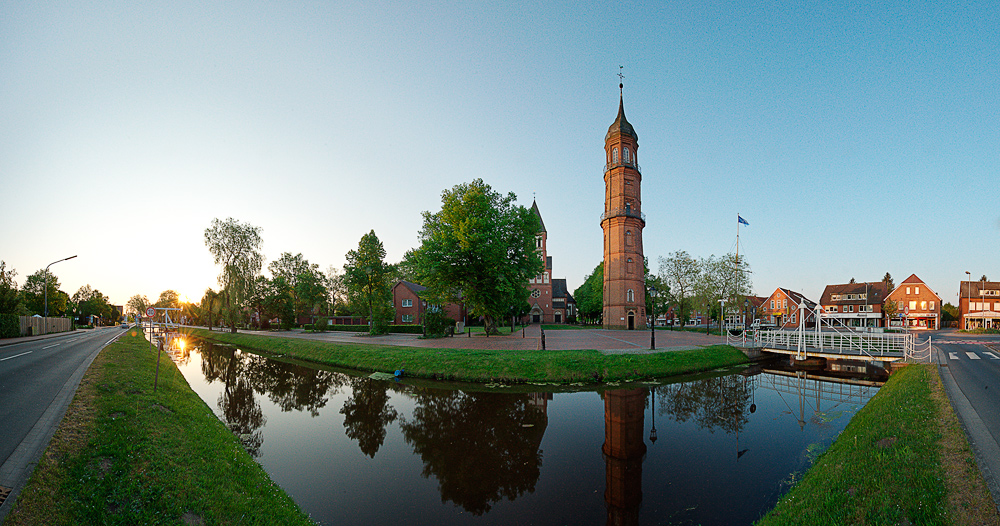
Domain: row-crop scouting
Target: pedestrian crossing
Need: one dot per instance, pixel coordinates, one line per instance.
(981, 355)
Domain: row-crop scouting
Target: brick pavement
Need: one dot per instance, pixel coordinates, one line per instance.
(616, 342)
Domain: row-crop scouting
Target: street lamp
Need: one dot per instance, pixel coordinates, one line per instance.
(46, 318)
(968, 304)
(652, 322)
(652, 432)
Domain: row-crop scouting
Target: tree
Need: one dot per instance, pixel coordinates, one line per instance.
(168, 299)
(210, 304)
(680, 272)
(90, 302)
(478, 249)
(590, 296)
(236, 247)
(137, 305)
(949, 313)
(366, 276)
(10, 297)
(983, 278)
(33, 294)
(889, 284)
(336, 291)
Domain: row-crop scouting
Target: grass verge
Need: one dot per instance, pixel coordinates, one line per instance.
(485, 366)
(126, 455)
(903, 459)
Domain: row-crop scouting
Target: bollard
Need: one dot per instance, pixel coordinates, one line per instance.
(543, 338)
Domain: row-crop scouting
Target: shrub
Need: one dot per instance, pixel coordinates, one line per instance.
(320, 325)
(437, 324)
(10, 326)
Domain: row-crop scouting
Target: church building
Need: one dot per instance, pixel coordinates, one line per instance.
(622, 222)
(549, 298)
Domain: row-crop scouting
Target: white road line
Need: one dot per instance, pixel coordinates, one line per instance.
(952, 356)
(972, 355)
(51, 346)
(991, 355)
(15, 356)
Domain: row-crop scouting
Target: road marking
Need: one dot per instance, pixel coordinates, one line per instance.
(952, 356)
(51, 346)
(991, 355)
(15, 356)
(972, 355)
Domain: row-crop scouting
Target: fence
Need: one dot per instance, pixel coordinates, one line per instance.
(39, 325)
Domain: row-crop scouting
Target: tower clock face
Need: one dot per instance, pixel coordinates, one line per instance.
(536, 293)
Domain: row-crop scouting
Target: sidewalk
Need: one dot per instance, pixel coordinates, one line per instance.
(607, 341)
(22, 339)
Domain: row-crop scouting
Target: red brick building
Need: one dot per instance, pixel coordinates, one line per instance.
(782, 309)
(917, 306)
(979, 303)
(410, 307)
(855, 304)
(549, 298)
(622, 222)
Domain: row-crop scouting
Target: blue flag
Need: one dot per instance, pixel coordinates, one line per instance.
(741, 220)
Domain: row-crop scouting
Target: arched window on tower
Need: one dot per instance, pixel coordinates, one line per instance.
(625, 154)
(628, 266)
(614, 154)
(628, 238)
(630, 296)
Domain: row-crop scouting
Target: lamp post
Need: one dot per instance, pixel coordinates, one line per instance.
(652, 432)
(652, 320)
(46, 318)
(968, 304)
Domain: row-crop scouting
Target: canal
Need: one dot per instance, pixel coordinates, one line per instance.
(718, 448)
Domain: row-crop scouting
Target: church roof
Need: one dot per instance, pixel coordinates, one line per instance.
(534, 210)
(621, 124)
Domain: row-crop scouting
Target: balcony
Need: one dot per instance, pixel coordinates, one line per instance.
(623, 212)
(628, 164)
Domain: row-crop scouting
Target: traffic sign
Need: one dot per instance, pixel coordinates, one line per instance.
(150, 311)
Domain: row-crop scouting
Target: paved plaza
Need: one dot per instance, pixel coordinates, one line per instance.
(608, 341)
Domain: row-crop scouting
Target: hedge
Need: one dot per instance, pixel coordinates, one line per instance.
(398, 329)
(10, 326)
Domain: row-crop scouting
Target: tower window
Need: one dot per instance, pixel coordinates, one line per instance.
(625, 154)
(614, 154)
(630, 296)
(628, 266)
(628, 238)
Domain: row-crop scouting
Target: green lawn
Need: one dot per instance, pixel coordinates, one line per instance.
(489, 366)
(126, 455)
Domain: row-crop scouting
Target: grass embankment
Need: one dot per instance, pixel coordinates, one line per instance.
(484, 366)
(903, 459)
(126, 455)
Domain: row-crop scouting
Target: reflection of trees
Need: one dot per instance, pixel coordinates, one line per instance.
(290, 386)
(367, 412)
(481, 447)
(713, 403)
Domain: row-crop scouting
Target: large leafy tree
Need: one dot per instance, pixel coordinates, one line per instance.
(33, 294)
(236, 247)
(10, 297)
(169, 299)
(590, 296)
(680, 272)
(90, 302)
(137, 305)
(478, 249)
(211, 303)
(307, 284)
(367, 279)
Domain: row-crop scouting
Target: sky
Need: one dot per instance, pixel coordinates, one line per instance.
(855, 138)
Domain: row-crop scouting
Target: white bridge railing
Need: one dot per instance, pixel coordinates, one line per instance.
(834, 339)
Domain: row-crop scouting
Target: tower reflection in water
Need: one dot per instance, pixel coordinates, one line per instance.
(624, 451)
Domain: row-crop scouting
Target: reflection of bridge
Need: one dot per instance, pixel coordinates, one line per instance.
(810, 387)
(828, 340)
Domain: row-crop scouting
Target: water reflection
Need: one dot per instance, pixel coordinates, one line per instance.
(541, 458)
(480, 447)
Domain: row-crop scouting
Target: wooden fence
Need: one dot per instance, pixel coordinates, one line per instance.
(37, 325)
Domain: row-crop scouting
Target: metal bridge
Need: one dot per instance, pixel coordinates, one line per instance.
(827, 339)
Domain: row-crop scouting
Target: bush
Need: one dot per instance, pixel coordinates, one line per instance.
(437, 323)
(320, 325)
(307, 327)
(10, 326)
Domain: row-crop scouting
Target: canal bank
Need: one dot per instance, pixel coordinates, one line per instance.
(488, 365)
(126, 454)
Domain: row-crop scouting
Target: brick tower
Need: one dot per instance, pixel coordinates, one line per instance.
(623, 221)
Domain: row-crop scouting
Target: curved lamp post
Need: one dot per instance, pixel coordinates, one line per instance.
(46, 322)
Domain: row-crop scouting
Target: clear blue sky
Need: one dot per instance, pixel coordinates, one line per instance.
(856, 139)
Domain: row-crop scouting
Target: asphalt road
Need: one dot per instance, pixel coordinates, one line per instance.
(970, 371)
(37, 381)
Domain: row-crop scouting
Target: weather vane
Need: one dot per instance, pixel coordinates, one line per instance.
(621, 78)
